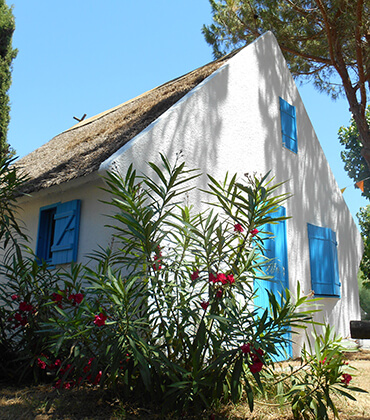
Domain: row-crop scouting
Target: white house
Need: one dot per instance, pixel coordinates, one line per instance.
(242, 113)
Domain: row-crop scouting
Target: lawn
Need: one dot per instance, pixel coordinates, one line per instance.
(45, 403)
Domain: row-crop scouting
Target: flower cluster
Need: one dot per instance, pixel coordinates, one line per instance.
(194, 275)
(238, 228)
(157, 259)
(74, 298)
(219, 281)
(21, 317)
(255, 356)
(346, 379)
(100, 319)
(66, 372)
(204, 304)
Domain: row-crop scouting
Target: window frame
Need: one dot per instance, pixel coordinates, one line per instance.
(58, 222)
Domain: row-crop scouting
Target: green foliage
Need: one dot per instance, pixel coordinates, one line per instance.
(23, 307)
(7, 54)
(364, 294)
(299, 28)
(364, 222)
(177, 325)
(322, 374)
(354, 163)
(11, 233)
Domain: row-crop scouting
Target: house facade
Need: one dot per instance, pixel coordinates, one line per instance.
(240, 114)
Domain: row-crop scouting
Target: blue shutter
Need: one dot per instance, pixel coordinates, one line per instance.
(276, 249)
(67, 222)
(288, 125)
(323, 261)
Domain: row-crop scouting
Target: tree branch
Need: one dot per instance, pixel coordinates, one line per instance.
(359, 56)
(315, 58)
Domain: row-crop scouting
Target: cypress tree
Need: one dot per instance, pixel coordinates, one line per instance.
(7, 54)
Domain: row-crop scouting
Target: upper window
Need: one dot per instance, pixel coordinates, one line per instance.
(288, 125)
(57, 239)
(323, 261)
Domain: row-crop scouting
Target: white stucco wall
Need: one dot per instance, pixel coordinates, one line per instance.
(231, 122)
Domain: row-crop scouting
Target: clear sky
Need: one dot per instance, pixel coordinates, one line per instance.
(86, 56)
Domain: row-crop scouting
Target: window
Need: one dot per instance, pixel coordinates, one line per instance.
(57, 238)
(323, 261)
(288, 125)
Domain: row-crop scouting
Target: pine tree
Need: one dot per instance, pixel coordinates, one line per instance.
(325, 41)
(7, 54)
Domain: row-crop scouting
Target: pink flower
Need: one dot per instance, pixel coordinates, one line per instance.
(100, 319)
(57, 364)
(18, 317)
(255, 355)
(41, 363)
(15, 297)
(204, 304)
(195, 275)
(212, 278)
(256, 366)
(257, 363)
(88, 366)
(97, 378)
(56, 297)
(58, 383)
(25, 307)
(77, 298)
(230, 279)
(346, 378)
(254, 232)
(245, 348)
(221, 278)
(219, 293)
(68, 385)
(323, 361)
(238, 228)
(21, 319)
(157, 263)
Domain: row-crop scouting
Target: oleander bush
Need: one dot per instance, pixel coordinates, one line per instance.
(167, 313)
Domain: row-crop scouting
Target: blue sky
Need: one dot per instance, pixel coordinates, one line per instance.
(86, 56)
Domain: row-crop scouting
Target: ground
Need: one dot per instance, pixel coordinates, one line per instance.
(45, 403)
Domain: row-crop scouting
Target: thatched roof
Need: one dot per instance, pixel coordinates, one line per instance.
(80, 150)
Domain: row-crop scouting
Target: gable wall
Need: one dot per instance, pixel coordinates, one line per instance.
(231, 122)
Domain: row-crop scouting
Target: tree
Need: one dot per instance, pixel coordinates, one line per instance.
(324, 41)
(7, 54)
(354, 162)
(364, 222)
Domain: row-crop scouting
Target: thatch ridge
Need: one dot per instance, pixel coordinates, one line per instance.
(80, 150)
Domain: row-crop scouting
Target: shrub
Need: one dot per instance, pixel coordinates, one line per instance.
(170, 314)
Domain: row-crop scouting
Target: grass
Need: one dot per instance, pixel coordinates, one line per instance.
(45, 403)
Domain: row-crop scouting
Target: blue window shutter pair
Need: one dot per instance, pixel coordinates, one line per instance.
(57, 241)
(288, 125)
(323, 261)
